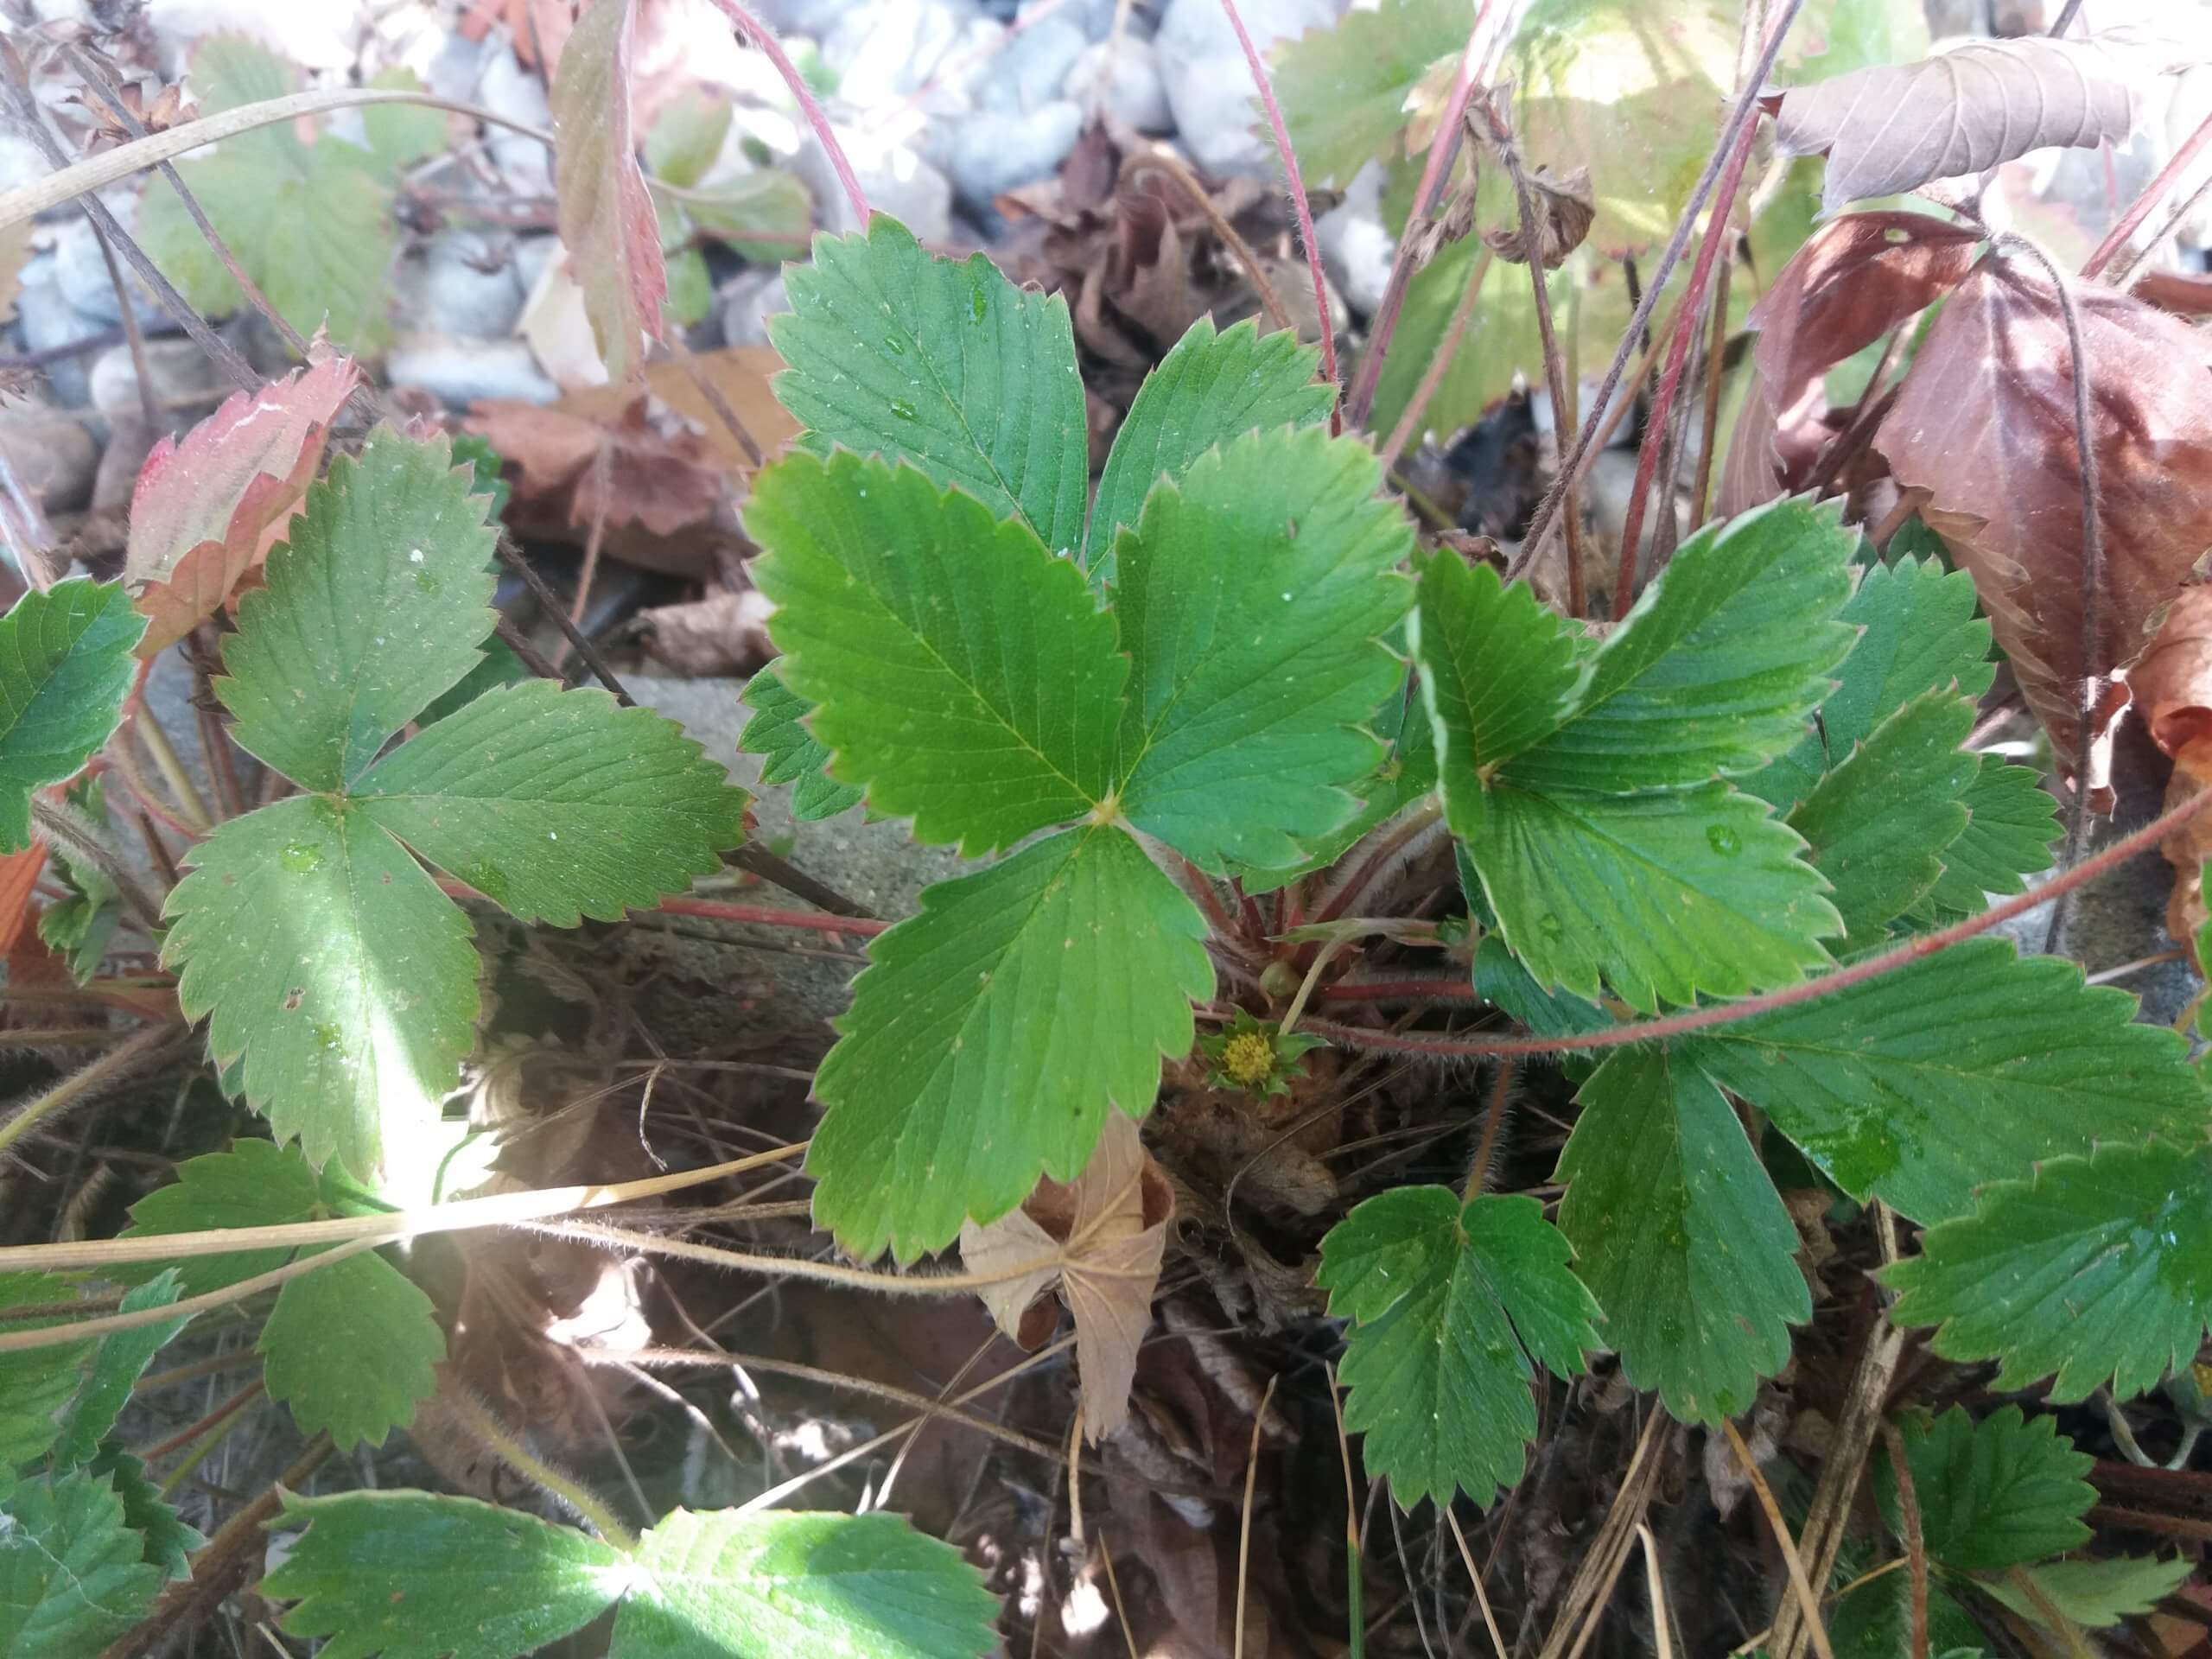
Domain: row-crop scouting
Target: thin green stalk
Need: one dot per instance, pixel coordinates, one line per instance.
(519, 1458)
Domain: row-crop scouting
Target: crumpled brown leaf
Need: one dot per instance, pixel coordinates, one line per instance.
(1984, 425)
(2173, 692)
(1565, 208)
(1099, 1238)
(726, 633)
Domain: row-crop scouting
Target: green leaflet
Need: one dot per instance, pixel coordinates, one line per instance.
(120, 1360)
(557, 804)
(1343, 91)
(351, 1348)
(2093, 1270)
(951, 367)
(792, 753)
(411, 1576)
(2011, 825)
(1679, 1234)
(1499, 669)
(2099, 1594)
(37, 1383)
(1992, 1494)
(79, 926)
(255, 1184)
(1452, 1306)
(65, 668)
(168, 1541)
(992, 1032)
(73, 1576)
(961, 672)
(500, 667)
(1251, 602)
(1211, 389)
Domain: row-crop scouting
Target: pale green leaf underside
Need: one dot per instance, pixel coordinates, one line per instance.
(351, 1348)
(1961, 1068)
(1992, 1494)
(1499, 669)
(1211, 389)
(1343, 90)
(895, 352)
(555, 804)
(791, 754)
(36, 1384)
(65, 668)
(73, 1577)
(122, 1358)
(1679, 1234)
(960, 672)
(992, 1032)
(332, 963)
(1452, 1303)
(1251, 602)
(2099, 1593)
(376, 605)
(2094, 1271)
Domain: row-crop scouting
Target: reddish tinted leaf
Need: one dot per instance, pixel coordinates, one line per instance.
(2186, 294)
(1985, 424)
(19, 874)
(207, 511)
(1895, 127)
(607, 218)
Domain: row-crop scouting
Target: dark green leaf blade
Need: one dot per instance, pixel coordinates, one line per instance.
(895, 352)
(1960, 1068)
(121, 1360)
(2093, 1270)
(332, 963)
(73, 1577)
(1499, 671)
(957, 670)
(1992, 1494)
(557, 804)
(1211, 389)
(991, 1034)
(254, 1184)
(376, 605)
(2099, 1593)
(351, 1348)
(2011, 825)
(411, 1576)
(36, 1384)
(1252, 601)
(65, 669)
(169, 1540)
(1680, 1236)
(789, 752)
(841, 1586)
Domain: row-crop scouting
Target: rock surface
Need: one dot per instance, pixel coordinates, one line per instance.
(1210, 84)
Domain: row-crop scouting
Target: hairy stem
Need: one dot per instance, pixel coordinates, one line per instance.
(64, 827)
(753, 29)
(510, 1449)
(117, 1063)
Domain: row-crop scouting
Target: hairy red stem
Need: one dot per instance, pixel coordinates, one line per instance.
(757, 32)
(2116, 238)
(1399, 990)
(714, 910)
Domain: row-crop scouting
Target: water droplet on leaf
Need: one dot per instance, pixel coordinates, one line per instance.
(1723, 840)
(903, 410)
(301, 855)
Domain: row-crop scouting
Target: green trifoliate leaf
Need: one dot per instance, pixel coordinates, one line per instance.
(73, 1576)
(957, 670)
(1251, 602)
(333, 965)
(789, 752)
(1344, 91)
(1680, 1236)
(500, 667)
(1973, 1065)
(2095, 1270)
(554, 803)
(726, 1586)
(255, 1184)
(2012, 823)
(1992, 1494)
(1874, 1621)
(1878, 824)
(169, 1542)
(122, 1358)
(2098, 1594)
(79, 926)
(1211, 389)
(351, 1348)
(37, 1383)
(1664, 895)
(65, 668)
(1451, 1304)
(1498, 671)
(378, 605)
(895, 352)
(411, 1576)
(992, 1032)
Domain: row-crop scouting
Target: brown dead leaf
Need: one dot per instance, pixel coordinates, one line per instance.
(726, 633)
(1984, 425)
(2186, 294)
(1565, 208)
(19, 874)
(1100, 1237)
(1895, 127)
(2173, 691)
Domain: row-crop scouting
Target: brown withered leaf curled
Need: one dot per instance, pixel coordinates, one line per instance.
(1856, 279)
(2173, 693)
(1895, 127)
(1565, 208)
(1100, 1238)
(1984, 425)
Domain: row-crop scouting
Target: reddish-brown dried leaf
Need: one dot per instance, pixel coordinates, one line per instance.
(605, 216)
(1895, 127)
(2186, 294)
(1984, 425)
(656, 472)
(2173, 683)
(19, 874)
(207, 511)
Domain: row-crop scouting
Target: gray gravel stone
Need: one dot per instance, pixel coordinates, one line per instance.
(1123, 77)
(993, 152)
(464, 282)
(460, 371)
(1030, 73)
(1210, 84)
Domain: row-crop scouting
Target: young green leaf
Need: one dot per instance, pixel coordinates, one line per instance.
(1680, 1236)
(255, 1184)
(790, 754)
(2098, 1594)
(333, 965)
(1344, 91)
(411, 1576)
(1498, 670)
(992, 1034)
(2095, 1270)
(351, 1348)
(1873, 1620)
(1211, 389)
(607, 218)
(1877, 823)
(1251, 602)
(552, 802)
(122, 1358)
(169, 1542)
(73, 1576)
(65, 669)
(1450, 1305)
(960, 671)
(1919, 1086)
(37, 1383)
(893, 351)
(2012, 822)
(377, 605)
(762, 1587)
(1992, 1494)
